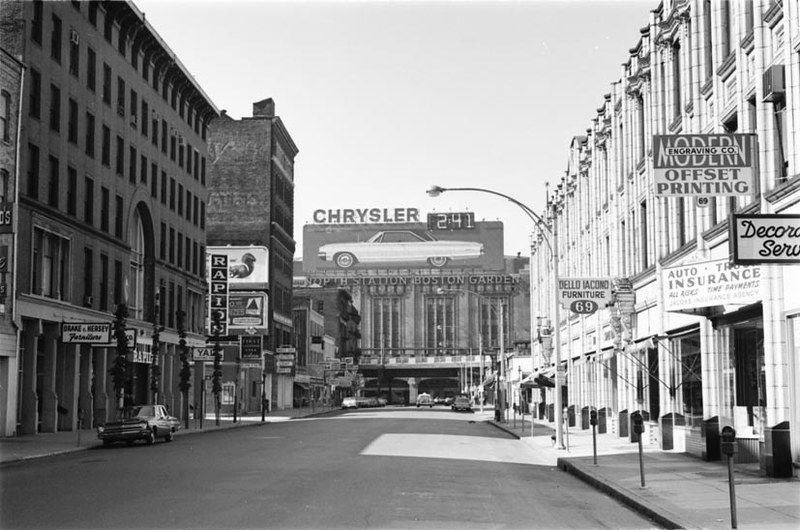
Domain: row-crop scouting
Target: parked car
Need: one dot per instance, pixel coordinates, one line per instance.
(142, 422)
(424, 400)
(461, 403)
(381, 402)
(349, 403)
(399, 246)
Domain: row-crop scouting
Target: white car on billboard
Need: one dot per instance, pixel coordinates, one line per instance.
(393, 246)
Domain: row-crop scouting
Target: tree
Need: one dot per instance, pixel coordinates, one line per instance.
(119, 369)
(216, 377)
(184, 384)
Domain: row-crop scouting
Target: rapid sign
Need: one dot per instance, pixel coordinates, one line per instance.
(704, 165)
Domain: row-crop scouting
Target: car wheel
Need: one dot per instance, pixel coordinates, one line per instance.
(107, 443)
(169, 437)
(417, 406)
(151, 437)
(344, 260)
(438, 261)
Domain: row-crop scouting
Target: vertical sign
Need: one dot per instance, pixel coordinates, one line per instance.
(218, 293)
(250, 347)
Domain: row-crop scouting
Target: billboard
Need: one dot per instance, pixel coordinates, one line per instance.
(765, 238)
(348, 247)
(704, 165)
(247, 266)
(247, 309)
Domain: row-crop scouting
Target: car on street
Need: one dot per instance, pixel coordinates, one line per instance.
(349, 403)
(392, 246)
(461, 403)
(424, 400)
(142, 422)
(382, 402)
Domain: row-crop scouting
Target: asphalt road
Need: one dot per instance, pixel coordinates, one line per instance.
(380, 468)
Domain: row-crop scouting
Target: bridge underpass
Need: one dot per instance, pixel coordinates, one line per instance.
(402, 384)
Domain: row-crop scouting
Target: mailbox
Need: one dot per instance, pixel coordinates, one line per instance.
(592, 417)
(638, 423)
(728, 440)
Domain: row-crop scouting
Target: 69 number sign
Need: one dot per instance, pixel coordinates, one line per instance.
(583, 307)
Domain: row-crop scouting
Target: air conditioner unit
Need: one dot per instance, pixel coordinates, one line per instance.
(88, 300)
(774, 83)
(133, 120)
(180, 140)
(73, 37)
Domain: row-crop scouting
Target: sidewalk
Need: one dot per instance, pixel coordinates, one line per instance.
(20, 448)
(681, 491)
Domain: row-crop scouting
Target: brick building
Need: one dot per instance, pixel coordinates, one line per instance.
(251, 202)
(112, 201)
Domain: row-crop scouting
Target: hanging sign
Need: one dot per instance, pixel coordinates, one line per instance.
(584, 295)
(250, 347)
(764, 238)
(710, 283)
(691, 165)
(218, 293)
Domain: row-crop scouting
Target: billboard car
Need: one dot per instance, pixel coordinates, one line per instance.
(406, 245)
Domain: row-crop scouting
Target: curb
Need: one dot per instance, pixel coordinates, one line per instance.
(503, 428)
(644, 506)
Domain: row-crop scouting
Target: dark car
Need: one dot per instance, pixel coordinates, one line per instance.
(461, 403)
(142, 422)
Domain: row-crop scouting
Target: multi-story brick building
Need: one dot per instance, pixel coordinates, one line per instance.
(251, 202)
(691, 366)
(112, 204)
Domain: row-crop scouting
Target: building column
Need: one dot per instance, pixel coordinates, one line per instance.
(413, 390)
(112, 402)
(69, 387)
(48, 395)
(29, 418)
(85, 387)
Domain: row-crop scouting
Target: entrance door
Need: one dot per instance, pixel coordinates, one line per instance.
(750, 375)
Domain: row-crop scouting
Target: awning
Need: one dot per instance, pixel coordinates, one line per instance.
(528, 382)
(544, 382)
(302, 385)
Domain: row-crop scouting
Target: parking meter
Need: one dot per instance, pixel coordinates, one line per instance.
(728, 442)
(638, 423)
(593, 417)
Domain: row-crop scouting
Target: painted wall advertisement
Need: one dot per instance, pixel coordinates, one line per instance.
(765, 238)
(704, 165)
(358, 246)
(710, 283)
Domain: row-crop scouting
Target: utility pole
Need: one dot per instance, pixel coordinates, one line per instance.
(480, 352)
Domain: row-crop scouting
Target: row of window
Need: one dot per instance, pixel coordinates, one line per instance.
(186, 157)
(181, 201)
(181, 251)
(179, 101)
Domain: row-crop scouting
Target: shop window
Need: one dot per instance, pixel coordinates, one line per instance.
(750, 374)
(136, 238)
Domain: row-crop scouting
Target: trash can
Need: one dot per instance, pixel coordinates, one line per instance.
(778, 452)
(623, 423)
(709, 433)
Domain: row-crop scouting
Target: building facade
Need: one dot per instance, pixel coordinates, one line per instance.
(251, 202)
(689, 364)
(111, 210)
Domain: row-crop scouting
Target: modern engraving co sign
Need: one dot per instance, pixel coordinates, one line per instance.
(703, 165)
(765, 238)
(710, 283)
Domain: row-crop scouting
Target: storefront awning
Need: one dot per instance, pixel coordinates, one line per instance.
(301, 385)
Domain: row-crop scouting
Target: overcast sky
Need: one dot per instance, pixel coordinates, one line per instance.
(384, 99)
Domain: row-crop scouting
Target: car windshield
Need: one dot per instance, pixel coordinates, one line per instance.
(144, 411)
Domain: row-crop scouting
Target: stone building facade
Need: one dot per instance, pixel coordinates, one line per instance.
(112, 200)
(703, 67)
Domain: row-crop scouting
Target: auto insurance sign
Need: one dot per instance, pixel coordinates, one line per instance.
(710, 283)
(704, 165)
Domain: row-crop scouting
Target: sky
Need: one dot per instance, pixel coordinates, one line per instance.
(385, 99)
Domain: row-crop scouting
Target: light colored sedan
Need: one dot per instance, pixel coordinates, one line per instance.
(392, 246)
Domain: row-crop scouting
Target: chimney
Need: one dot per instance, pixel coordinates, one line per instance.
(264, 108)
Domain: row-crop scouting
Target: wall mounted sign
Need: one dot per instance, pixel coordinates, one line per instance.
(247, 310)
(218, 293)
(86, 332)
(250, 347)
(366, 215)
(765, 238)
(710, 283)
(6, 217)
(692, 165)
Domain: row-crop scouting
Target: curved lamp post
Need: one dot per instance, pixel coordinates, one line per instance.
(550, 236)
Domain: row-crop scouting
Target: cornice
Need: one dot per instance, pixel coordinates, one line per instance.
(774, 14)
(748, 42)
(727, 67)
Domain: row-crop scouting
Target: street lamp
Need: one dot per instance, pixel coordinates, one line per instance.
(550, 236)
(498, 405)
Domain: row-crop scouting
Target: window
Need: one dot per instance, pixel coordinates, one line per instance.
(36, 23)
(164, 136)
(725, 23)
(88, 201)
(163, 187)
(189, 160)
(187, 262)
(676, 79)
(4, 179)
(55, 108)
(52, 188)
(489, 311)
(103, 282)
(55, 40)
(90, 134)
(203, 170)
(386, 325)
(195, 210)
(202, 215)
(108, 26)
(153, 180)
(162, 244)
(120, 156)
(136, 240)
(155, 131)
(93, 13)
(691, 378)
(145, 118)
(106, 84)
(171, 245)
(180, 200)
(121, 42)
(35, 103)
(105, 155)
(643, 241)
(172, 194)
(188, 205)
(88, 276)
(180, 155)
(708, 47)
(74, 54)
(104, 199)
(439, 323)
(143, 169)
(50, 264)
(194, 257)
(91, 69)
(134, 107)
(72, 121)
(5, 116)
(119, 212)
(118, 294)
(33, 171)
(171, 306)
(179, 253)
(162, 294)
(120, 96)
(196, 169)
(172, 146)
(72, 190)
(132, 164)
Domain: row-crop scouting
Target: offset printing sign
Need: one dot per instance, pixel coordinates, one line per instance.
(703, 165)
(247, 310)
(86, 333)
(710, 283)
(765, 238)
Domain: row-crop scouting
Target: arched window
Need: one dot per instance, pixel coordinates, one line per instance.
(137, 241)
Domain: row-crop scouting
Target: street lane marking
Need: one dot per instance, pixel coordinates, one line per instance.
(454, 447)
